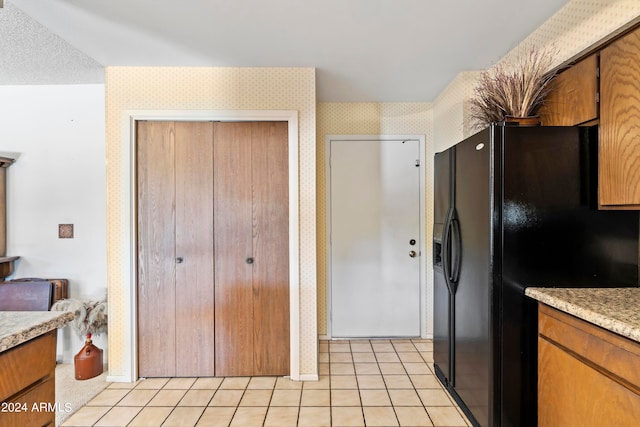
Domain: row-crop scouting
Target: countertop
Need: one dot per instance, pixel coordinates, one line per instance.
(17, 327)
(614, 309)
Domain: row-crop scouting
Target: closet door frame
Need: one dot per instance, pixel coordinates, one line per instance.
(129, 216)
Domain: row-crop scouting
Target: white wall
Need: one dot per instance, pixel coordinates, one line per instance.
(57, 135)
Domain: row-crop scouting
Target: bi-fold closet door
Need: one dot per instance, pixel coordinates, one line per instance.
(213, 272)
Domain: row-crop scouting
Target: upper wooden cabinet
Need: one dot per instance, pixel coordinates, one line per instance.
(619, 145)
(573, 99)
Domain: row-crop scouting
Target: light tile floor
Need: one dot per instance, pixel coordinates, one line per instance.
(362, 383)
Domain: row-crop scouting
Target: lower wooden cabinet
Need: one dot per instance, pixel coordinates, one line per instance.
(587, 376)
(27, 383)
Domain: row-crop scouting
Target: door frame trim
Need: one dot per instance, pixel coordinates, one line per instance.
(128, 236)
(423, 253)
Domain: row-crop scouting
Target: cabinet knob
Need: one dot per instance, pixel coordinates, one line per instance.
(249, 260)
(179, 260)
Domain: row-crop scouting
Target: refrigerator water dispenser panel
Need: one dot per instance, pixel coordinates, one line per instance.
(437, 254)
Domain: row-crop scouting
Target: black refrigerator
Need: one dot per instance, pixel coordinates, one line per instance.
(515, 207)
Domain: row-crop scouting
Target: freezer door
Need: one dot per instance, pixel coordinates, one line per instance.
(472, 339)
(442, 344)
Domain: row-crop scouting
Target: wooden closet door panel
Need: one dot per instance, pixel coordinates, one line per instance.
(270, 248)
(156, 244)
(232, 237)
(194, 315)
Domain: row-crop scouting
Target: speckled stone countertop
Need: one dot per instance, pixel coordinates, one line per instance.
(17, 327)
(614, 309)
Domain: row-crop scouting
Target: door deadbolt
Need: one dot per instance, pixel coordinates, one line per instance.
(412, 254)
(249, 260)
(412, 242)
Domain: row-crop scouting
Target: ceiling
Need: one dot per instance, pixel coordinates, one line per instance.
(363, 50)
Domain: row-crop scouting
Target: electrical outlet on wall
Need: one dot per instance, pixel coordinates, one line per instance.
(65, 231)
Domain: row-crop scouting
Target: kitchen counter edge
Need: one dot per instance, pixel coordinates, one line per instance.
(17, 327)
(614, 309)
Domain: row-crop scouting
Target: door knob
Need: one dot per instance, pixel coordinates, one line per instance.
(412, 254)
(179, 260)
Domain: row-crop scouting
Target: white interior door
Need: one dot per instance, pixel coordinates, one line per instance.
(375, 227)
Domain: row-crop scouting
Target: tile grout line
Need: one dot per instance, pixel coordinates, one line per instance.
(205, 407)
(116, 405)
(385, 384)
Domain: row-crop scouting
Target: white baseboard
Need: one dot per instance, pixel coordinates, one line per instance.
(308, 377)
(119, 379)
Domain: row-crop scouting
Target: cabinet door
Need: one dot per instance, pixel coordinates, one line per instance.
(574, 95)
(619, 146)
(587, 376)
(574, 394)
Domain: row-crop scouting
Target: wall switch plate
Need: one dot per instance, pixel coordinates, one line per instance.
(65, 231)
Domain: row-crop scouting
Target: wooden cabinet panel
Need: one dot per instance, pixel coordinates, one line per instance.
(574, 95)
(573, 394)
(619, 355)
(27, 364)
(587, 376)
(27, 377)
(39, 404)
(619, 146)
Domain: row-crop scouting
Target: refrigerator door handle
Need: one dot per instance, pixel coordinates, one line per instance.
(456, 251)
(446, 252)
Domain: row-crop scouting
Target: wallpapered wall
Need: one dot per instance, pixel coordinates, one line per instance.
(576, 27)
(159, 88)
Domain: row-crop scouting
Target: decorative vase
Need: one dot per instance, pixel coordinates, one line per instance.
(88, 361)
(522, 121)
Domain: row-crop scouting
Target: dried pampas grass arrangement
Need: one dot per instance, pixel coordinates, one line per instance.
(512, 90)
(90, 316)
